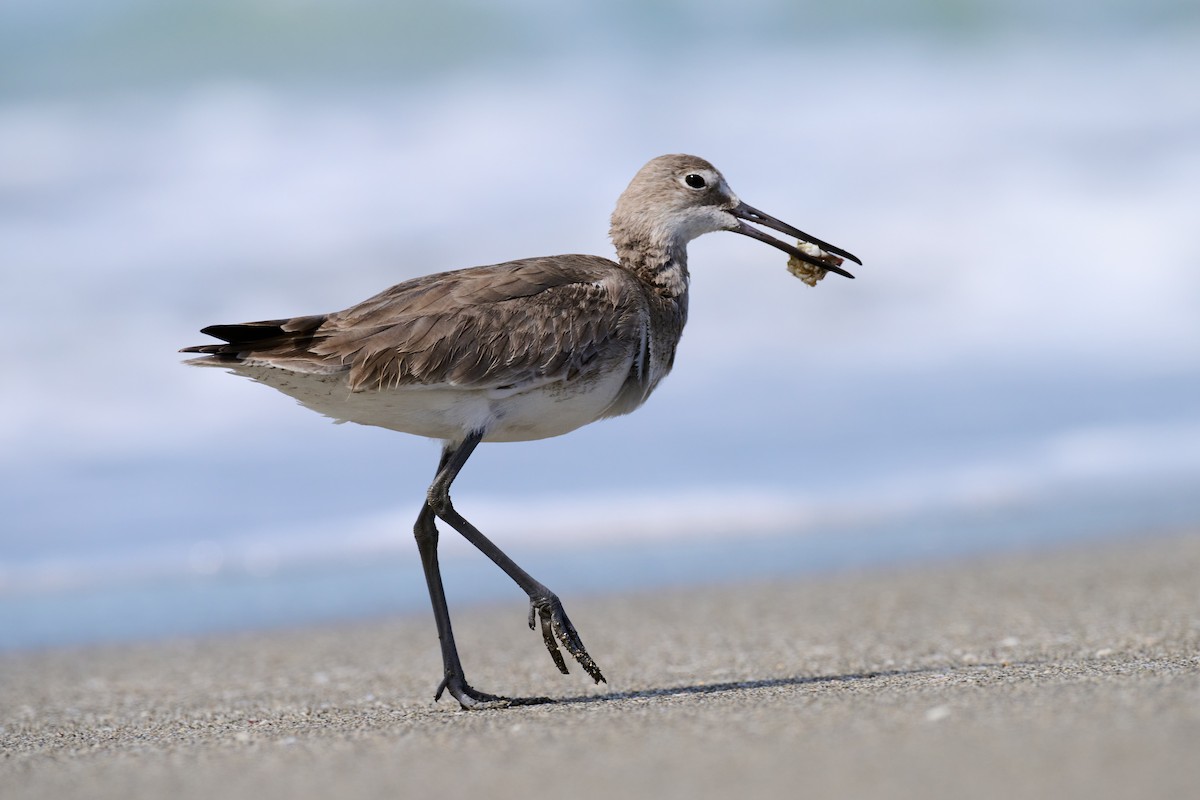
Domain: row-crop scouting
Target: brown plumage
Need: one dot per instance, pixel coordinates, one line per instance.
(500, 326)
(514, 351)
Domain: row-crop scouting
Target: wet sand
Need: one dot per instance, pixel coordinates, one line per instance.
(1066, 674)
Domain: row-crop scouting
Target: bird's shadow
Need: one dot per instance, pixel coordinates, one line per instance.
(718, 688)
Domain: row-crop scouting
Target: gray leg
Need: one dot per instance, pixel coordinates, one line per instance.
(453, 677)
(543, 604)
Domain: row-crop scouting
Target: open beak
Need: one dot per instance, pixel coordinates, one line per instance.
(749, 214)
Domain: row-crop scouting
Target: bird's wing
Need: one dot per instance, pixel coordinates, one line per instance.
(504, 326)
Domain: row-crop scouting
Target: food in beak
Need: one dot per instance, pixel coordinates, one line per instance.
(810, 273)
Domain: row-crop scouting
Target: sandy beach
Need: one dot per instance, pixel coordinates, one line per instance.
(1067, 674)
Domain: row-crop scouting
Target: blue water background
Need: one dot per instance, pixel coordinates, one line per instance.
(1016, 366)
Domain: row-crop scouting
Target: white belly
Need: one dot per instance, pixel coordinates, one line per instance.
(449, 413)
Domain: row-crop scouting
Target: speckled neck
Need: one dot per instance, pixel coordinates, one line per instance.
(661, 267)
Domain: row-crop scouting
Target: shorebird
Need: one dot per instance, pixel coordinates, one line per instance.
(509, 352)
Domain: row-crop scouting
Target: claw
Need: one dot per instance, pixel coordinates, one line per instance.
(570, 638)
(548, 633)
(469, 698)
(557, 627)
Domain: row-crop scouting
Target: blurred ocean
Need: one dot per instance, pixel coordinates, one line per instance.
(1017, 365)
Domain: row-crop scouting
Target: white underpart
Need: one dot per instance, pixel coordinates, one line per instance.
(445, 412)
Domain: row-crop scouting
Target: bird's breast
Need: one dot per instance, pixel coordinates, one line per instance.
(557, 407)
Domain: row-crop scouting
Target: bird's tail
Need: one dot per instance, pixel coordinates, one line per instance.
(277, 338)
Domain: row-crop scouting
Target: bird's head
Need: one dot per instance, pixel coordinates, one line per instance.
(675, 198)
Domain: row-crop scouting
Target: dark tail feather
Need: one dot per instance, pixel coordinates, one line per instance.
(289, 334)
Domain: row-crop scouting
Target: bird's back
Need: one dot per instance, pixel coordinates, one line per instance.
(526, 349)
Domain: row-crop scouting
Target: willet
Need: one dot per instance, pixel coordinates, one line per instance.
(510, 352)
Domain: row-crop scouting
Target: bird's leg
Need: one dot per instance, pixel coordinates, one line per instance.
(543, 603)
(453, 678)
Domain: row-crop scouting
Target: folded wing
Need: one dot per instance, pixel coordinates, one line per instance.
(505, 326)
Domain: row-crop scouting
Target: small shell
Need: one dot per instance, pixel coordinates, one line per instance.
(806, 272)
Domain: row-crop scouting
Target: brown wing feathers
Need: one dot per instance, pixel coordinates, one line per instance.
(497, 344)
(457, 328)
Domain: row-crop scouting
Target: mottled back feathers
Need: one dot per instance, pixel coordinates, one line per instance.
(505, 326)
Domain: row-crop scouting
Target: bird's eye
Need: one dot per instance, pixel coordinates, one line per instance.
(695, 181)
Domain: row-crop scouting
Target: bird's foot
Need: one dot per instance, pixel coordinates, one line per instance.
(470, 699)
(557, 627)
(474, 700)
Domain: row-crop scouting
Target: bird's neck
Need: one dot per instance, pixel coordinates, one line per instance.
(661, 267)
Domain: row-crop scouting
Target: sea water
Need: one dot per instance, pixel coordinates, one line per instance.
(1016, 365)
